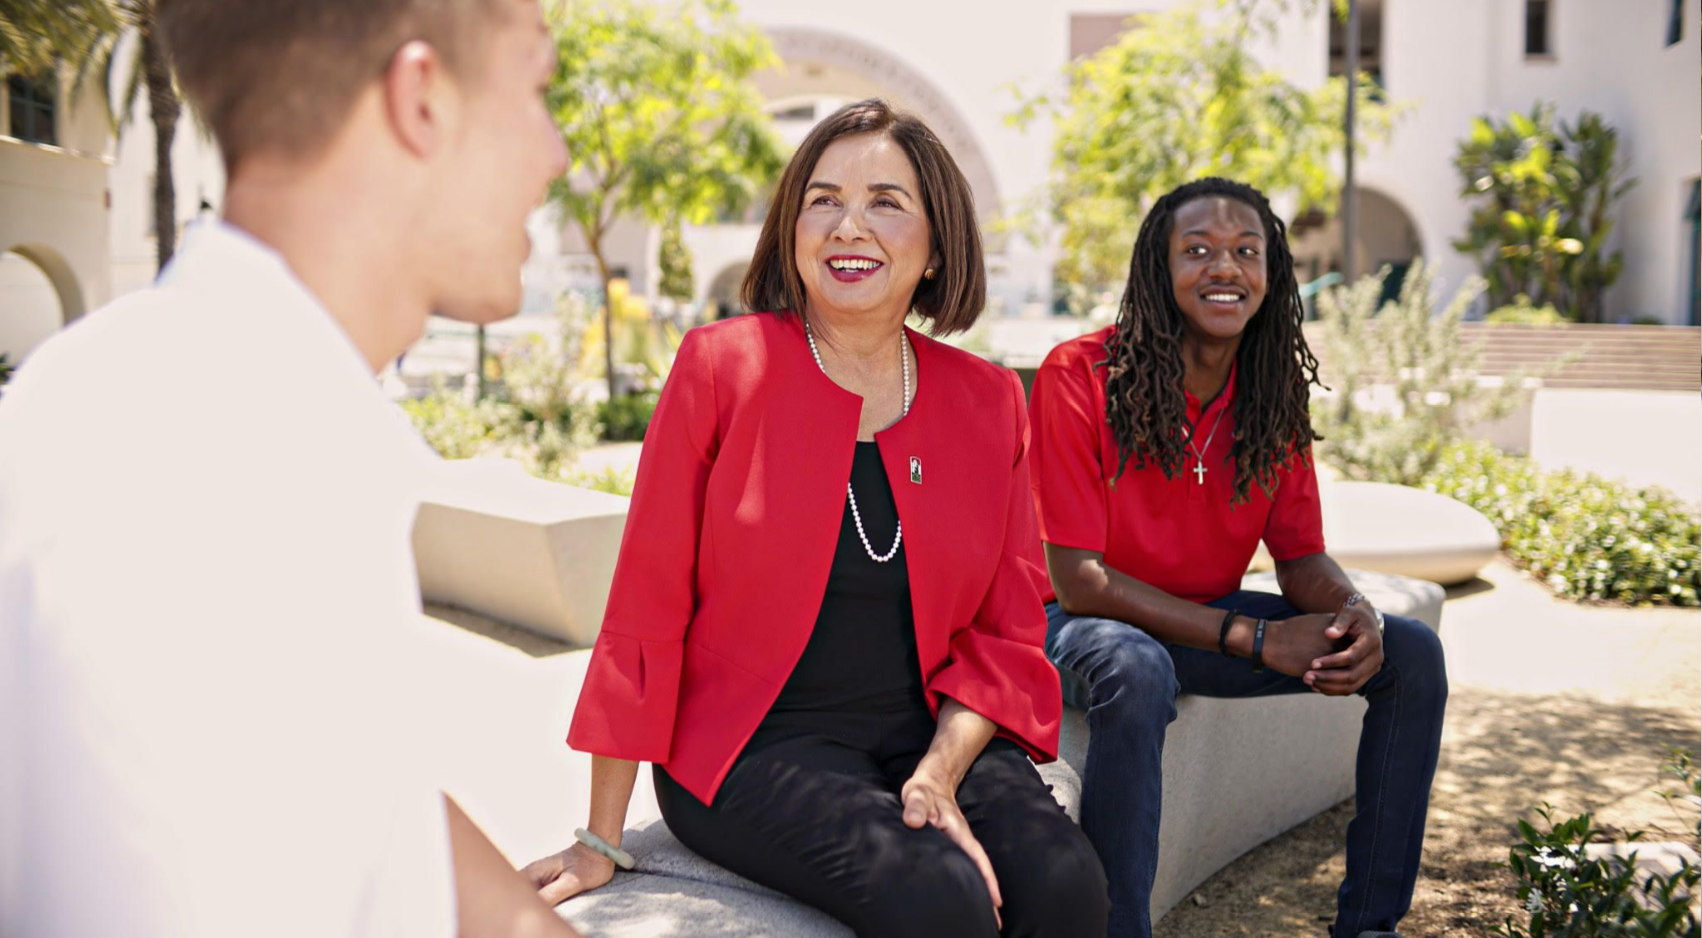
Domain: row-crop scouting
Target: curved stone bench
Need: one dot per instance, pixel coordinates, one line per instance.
(1402, 530)
(1216, 753)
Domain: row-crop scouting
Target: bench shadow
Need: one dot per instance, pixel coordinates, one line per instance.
(1471, 587)
(519, 639)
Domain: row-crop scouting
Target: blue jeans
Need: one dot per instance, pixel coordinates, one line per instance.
(1127, 681)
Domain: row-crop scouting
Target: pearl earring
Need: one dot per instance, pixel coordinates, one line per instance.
(928, 274)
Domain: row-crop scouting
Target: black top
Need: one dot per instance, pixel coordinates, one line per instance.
(862, 653)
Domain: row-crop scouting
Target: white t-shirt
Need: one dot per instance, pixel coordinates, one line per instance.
(205, 512)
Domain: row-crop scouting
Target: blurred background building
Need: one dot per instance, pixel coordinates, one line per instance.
(76, 219)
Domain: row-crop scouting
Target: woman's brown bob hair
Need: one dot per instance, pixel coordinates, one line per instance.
(953, 300)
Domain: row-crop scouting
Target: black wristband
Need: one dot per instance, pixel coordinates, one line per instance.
(1223, 632)
(1259, 647)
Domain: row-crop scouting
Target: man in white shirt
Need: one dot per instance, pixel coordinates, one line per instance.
(205, 499)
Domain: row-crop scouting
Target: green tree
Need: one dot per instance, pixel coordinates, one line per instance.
(1544, 203)
(36, 34)
(1592, 181)
(675, 261)
(1177, 97)
(150, 70)
(660, 119)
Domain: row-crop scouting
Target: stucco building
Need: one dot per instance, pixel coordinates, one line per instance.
(76, 226)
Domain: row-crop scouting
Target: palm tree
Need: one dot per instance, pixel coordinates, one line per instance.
(150, 69)
(35, 34)
(85, 35)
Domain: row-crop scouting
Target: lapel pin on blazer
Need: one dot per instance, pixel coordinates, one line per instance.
(916, 470)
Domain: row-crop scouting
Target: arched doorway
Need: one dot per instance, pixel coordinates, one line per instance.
(822, 70)
(39, 295)
(1386, 236)
(723, 296)
(824, 67)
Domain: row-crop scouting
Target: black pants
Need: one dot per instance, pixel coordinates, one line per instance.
(811, 809)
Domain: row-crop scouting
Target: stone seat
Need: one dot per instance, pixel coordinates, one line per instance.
(493, 540)
(1402, 530)
(1296, 752)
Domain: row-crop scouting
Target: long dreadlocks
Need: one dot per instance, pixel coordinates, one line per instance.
(1143, 389)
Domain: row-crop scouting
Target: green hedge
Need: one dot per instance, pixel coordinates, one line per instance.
(1586, 537)
(626, 418)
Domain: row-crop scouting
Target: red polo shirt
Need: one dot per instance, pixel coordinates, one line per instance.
(1180, 535)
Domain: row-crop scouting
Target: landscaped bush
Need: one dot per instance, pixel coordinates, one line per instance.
(1586, 537)
(1569, 893)
(531, 413)
(626, 418)
(613, 481)
(1403, 381)
(1523, 312)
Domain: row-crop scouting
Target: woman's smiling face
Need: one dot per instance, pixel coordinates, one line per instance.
(1217, 265)
(862, 241)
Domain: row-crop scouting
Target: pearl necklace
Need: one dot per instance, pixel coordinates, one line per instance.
(857, 516)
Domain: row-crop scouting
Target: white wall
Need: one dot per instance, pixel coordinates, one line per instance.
(1448, 60)
(29, 307)
(197, 172)
(1612, 58)
(1643, 437)
(53, 212)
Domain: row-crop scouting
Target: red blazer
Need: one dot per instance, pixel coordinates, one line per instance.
(734, 521)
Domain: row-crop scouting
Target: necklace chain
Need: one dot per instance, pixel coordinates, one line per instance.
(1199, 456)
(857, 516)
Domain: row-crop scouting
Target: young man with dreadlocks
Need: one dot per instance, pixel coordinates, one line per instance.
(1165, 448)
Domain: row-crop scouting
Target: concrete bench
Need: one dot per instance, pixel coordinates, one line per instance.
(1217, 751)
(540, 555)
(1407, 531)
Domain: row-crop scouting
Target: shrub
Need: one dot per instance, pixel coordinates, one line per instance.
(1543, 206)
(533, 414)
(626, 417)
(1570, 892)
(5, 369)
(1403, 384)
(1586, 537)
(611, 480)
(1523, 312)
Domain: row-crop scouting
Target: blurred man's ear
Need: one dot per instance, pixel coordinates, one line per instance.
(416, 96)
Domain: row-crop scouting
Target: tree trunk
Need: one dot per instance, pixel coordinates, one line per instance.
(164, 109)
(608, 316)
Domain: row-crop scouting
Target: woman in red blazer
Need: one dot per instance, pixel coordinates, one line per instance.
(825, 626)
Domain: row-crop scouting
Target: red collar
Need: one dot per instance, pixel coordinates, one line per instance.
(1218, 403)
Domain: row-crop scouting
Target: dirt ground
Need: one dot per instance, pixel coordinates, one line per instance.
(1550, 701)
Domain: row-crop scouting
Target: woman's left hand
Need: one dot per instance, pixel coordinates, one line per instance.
(929, 800)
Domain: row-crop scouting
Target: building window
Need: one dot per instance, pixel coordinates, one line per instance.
(1370, 43)
(1091, 32)
(1538, 22)
(1675, 23)
(32, 105)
